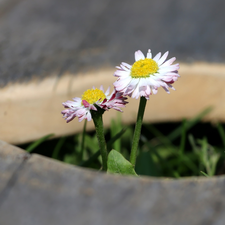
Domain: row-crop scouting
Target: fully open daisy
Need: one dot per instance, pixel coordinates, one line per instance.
(92, 99)
(146, 75)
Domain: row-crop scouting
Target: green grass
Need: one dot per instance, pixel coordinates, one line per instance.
(189, 148)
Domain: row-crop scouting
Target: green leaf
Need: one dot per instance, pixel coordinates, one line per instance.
(58, 147)
(118, 164)
(204, 174)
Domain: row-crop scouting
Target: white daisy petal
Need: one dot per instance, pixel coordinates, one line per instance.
(77, 99)
(89, 117)
(126, 65)
(101, 88)
(149, 54)
(154, 91)
(156, 58)
(124, 68)
(163, 58)
(168, 62)
(122, 83)
(119, 73)
(170, 68)
(139, 55)
(142, 82)
(136, 93)
(148, 91)
(107, 91)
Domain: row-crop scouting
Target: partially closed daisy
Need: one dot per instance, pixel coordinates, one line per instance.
(146, 75)
(92, 99)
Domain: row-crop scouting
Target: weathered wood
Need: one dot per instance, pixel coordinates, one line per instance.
(52, 51)
(47, 192)
(43, 37)
(11, 159)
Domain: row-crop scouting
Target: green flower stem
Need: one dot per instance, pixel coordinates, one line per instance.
(137, 131)
(97, 118)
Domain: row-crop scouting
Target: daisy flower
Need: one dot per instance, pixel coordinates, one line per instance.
(146, 75)
(92, 99)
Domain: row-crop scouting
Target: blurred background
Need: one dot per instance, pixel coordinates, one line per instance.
(52, 51)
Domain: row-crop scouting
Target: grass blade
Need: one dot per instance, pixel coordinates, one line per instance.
(204, 174)
(183, 138)
(189, 124)
(55, 154)
(162, 138)
(32, 146)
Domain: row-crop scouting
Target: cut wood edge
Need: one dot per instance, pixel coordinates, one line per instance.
(32, 110)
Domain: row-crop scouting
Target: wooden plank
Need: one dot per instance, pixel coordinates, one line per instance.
(11, 159)
(44, 37)
(7, 5)
(52, 51)
(40, 38)
(49, 192)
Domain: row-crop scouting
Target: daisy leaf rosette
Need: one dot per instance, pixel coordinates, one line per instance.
(146, 75)
(92, 99)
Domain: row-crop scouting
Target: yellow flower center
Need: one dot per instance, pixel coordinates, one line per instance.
(144, 68)
(93, 95)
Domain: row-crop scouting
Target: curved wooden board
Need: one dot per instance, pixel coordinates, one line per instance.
(44, 191)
